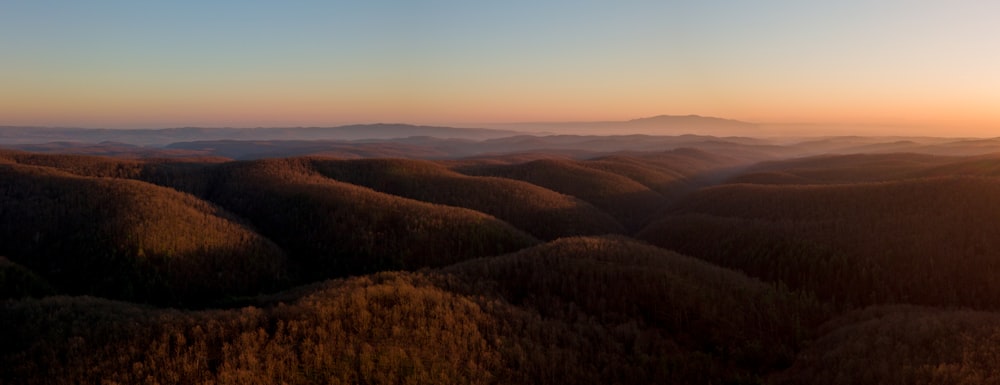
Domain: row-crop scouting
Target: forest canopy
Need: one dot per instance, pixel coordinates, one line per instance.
(680, 266)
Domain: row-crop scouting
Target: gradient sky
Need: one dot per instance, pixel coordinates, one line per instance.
(279, 63)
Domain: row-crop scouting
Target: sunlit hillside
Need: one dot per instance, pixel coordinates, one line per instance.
(684, 265)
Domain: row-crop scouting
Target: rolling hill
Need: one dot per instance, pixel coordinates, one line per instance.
(538, 211)
(653, 125)
(901, 345)
(839, 169)
(128, 239)
(333, 229)
(154, 243)
(463, 324)
(654, 263)
(921, 241)
(164, 136)
(624, 199)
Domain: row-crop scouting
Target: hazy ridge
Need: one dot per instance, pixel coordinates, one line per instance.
(519, 259)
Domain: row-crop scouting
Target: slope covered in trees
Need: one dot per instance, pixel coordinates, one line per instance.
(464, 324)
(128, 239)
(541, 212)
(834, 169)
(826, 269)
(745, 325)
(81, 223)
(922, 241)
(17, 281)
(670, 173)
(332, 228)
(902, 345)
(624, 199)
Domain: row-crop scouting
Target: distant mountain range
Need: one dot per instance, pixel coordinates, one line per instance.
(577, 140)
(658, 125)
(161, 137)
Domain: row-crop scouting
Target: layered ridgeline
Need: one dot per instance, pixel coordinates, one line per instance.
(901, 345)
(252, 227)
(541, 212)
(863, 168)
(629, 187)
(578, 310)
(839, 169)
(332, 228)
(403, 271)
(624, 199)
(930, 241)
(327, 224)
(129, 239)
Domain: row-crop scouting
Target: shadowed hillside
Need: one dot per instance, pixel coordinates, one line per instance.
(190, 175)
(902, 345)
(328, 228)
(624, 199)
(332, 228)
(129, 239)
(704, 310)
(926, 241)
(255, 149)
(808, 270)
(16, 281)
(380, 329)
(82, 165)
(671, 173)
(986, 165)
(833, 169)
(466, 324)
(536, 210)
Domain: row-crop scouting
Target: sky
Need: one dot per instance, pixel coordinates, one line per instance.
(931, 65)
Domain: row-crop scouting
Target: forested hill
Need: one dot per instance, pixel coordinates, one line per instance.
(667, 266)
(164, 136)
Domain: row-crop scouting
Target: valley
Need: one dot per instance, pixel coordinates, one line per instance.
(534, 259)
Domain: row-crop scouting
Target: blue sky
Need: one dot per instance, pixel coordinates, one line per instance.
(248, 63)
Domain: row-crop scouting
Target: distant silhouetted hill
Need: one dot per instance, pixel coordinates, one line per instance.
(33, 135)
(830, 169)
(257, 149)
(572, 146)
(655, 125)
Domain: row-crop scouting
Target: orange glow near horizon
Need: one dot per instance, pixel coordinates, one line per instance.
(276, 104)
(900, 67)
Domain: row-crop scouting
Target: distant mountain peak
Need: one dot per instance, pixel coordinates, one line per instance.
(688, 119)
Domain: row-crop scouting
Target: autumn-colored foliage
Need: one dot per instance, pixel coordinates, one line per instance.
(902, 345)
(465, 324)
(332, 228)
(541, 212)
(129, 239)
(921, 241)
(694, 268)
(623, 198)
